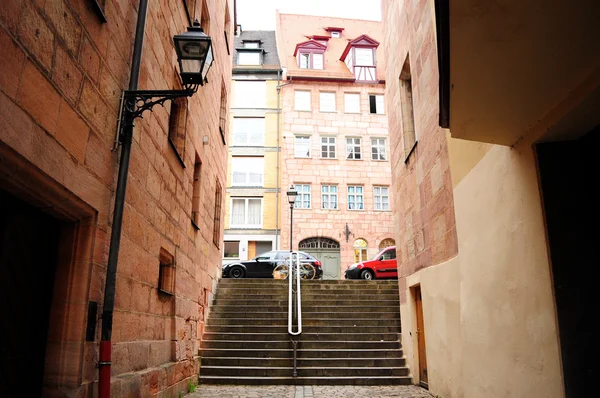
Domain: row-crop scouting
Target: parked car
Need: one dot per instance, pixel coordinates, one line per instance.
(383, 266)
(262, 266)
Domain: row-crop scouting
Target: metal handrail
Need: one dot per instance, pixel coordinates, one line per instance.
(294, 273)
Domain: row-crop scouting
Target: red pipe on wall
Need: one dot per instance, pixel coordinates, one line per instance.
(104, 365)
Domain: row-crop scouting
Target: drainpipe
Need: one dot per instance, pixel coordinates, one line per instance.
(278, 155)
(279, 85)
(104, 362)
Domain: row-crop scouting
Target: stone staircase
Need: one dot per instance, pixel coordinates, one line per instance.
(351, 334)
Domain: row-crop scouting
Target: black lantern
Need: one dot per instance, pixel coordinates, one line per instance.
(292, 194)
(194, 54)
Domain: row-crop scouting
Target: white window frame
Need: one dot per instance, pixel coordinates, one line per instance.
(335, 34)
(325, 98)
(359, 50)
(253, 56)
(379, 104)
(251, 44)
(246, 224)
(353, 148)
(303, 196)
(356, 197)
(327, 193)
(351, 106)
(248, 131)
(250, 94)
(379, 195)
(243, 167)
(304, 60)
(327, 143)
(378, 151)
(317, 65)
(301, 139)
(302, 104)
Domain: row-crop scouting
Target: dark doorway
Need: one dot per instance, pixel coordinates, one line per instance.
(28, 251)
(569, 175)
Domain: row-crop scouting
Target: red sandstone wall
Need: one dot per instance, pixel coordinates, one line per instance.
(422, 188)
(61, 74)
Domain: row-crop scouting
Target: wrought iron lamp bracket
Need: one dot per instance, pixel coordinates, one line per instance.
(135, 102)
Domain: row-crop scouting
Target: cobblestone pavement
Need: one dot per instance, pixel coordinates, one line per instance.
(231, 391)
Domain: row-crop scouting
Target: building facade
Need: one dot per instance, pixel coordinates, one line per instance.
(252, 217)
(335, 145)
(493, 120)
(63, 67)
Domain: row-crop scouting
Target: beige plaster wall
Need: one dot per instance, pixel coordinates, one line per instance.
(440, 292)
(508, 325)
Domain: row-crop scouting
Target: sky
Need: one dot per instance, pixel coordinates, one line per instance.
(260, 14)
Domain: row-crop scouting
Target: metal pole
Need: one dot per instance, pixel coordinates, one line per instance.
(104, 360)
(291, 224)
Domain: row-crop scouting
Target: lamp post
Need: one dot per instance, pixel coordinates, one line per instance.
(195, 56)
(292, 193)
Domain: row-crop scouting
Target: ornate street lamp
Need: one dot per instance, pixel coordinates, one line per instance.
(195, 57)
(292, 193)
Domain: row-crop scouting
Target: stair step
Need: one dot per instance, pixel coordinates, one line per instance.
(317, 322)
(262, 336)
(287, 344)
(219, 313)
(315, 381)
(306, 329)
(303, 362)
(301, 353)
(272, 371)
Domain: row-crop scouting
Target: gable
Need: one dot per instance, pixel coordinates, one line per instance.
(310, 46)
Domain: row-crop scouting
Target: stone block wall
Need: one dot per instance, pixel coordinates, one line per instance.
(61, 76)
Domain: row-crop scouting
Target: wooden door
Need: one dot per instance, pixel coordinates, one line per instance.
(421, 338)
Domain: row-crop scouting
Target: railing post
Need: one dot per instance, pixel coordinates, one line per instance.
(294, 304)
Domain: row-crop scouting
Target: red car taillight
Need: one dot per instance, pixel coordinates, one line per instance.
(317, 263)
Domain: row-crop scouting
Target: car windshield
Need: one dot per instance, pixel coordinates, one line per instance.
(265, 256)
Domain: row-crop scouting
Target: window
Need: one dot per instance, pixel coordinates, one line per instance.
(177, 125)
(248, 131)
(246, 212)
(387, 243)
(248, 58)
(388, 254)
(303, 198)
(364, 57)
(353, 148)
(329, 197)
(227, 27)
(223, 114)
(217, 217)
(382, 199)
(302, 146)
(317, 61)
(251, 44)
(328, 147)
(196, 193)
(378, 149)
(360, 250)
(247, 171)
(355, 198)
(376, 104)
(310, 60)
(327, 102)
(250, 94)
(409, 134)
(231, 249)
(335, 34)
(166, 272)
(351, 103)
(302, 100)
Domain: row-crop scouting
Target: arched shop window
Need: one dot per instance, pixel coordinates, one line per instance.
(360, 250)
(387, 243)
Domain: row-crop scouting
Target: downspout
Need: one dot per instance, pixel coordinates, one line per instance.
(279, 85)
(104, 361)
(278, 156)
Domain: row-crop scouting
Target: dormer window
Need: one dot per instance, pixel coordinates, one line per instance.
(249, 58)
(310, 54)
(335, 35)
(251, 44)
(359, 57)
(310, 60)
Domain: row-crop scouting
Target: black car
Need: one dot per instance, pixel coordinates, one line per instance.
(262, 266)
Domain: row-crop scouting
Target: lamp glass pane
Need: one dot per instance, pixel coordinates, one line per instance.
(207, 63)
(190, 66)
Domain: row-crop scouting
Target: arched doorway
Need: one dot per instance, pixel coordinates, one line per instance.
(327, 251)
